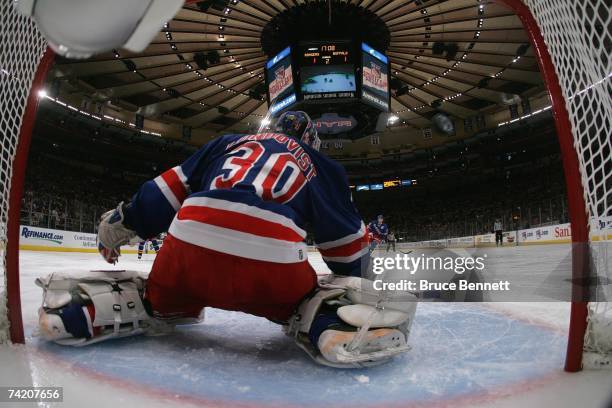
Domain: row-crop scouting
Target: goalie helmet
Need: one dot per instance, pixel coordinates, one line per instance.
(298, 125)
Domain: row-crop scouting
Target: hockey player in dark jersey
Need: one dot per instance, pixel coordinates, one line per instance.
(377, 230)
(235, 213)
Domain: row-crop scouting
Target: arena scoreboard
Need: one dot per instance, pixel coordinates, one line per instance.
(330, 53)
(341, 76)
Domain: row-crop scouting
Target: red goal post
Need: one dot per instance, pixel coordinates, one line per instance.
(554, 27)
(16, 193)
(572, 43)
(575, 191)
(24, 63)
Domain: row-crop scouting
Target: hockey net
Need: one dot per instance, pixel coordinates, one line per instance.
(21, 50)
(576, 36)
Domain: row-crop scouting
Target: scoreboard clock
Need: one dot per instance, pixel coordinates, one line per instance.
(326, 54)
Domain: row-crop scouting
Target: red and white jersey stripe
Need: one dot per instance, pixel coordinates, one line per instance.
(346, 249)
(173, 185)
(239, 229)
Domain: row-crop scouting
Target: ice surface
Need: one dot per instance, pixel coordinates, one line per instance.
(484, 354)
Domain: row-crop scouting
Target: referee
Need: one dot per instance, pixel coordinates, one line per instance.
(499, 236)
(390, 241)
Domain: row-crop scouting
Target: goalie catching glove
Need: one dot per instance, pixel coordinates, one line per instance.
(347, 323)
(112, 234)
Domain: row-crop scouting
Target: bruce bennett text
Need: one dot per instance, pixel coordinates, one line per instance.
(424, 284)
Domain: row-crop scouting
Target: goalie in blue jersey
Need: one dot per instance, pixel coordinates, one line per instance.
(236, 214)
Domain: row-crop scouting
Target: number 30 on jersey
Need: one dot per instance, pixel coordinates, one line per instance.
(278, 179)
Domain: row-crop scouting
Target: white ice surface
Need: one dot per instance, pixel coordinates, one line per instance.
(492, 355)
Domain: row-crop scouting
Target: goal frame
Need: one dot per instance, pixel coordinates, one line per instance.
(579, 220)
(575, 193)
(13, 291)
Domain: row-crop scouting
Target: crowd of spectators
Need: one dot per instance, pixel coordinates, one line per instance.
(76, 173)
(69, 197)
(449, 207)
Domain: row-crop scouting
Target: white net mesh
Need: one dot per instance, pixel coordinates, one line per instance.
(577, 34)
(21, 48)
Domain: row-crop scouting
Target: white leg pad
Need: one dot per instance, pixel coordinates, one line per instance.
(116, 297)
(381, 322)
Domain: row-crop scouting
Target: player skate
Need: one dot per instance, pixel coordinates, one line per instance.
(82, 308)
(347, 323)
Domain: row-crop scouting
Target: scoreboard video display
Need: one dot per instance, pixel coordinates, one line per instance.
(319, 76)
(375, 77)
(327, 71)
(279, 77)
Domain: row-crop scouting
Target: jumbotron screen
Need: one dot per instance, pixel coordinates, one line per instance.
(279, 77)
(327, 71)
(375, 79)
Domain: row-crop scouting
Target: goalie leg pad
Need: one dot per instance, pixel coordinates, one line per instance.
(349, 324)
(85, 308)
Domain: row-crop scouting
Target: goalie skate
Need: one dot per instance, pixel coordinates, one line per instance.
(368, 330)
(375, 346)
(379, 346)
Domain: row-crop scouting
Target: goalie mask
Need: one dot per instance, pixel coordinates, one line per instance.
(298, 125)
(80, 29)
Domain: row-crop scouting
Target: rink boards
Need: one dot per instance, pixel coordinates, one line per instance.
(46, 239)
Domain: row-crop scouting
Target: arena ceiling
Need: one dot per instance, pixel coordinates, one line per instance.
(456, 56)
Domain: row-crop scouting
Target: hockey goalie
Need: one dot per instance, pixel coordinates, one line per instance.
(236, 214)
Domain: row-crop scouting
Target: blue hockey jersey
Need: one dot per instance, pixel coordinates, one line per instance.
(253, 196)
(378, 231)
